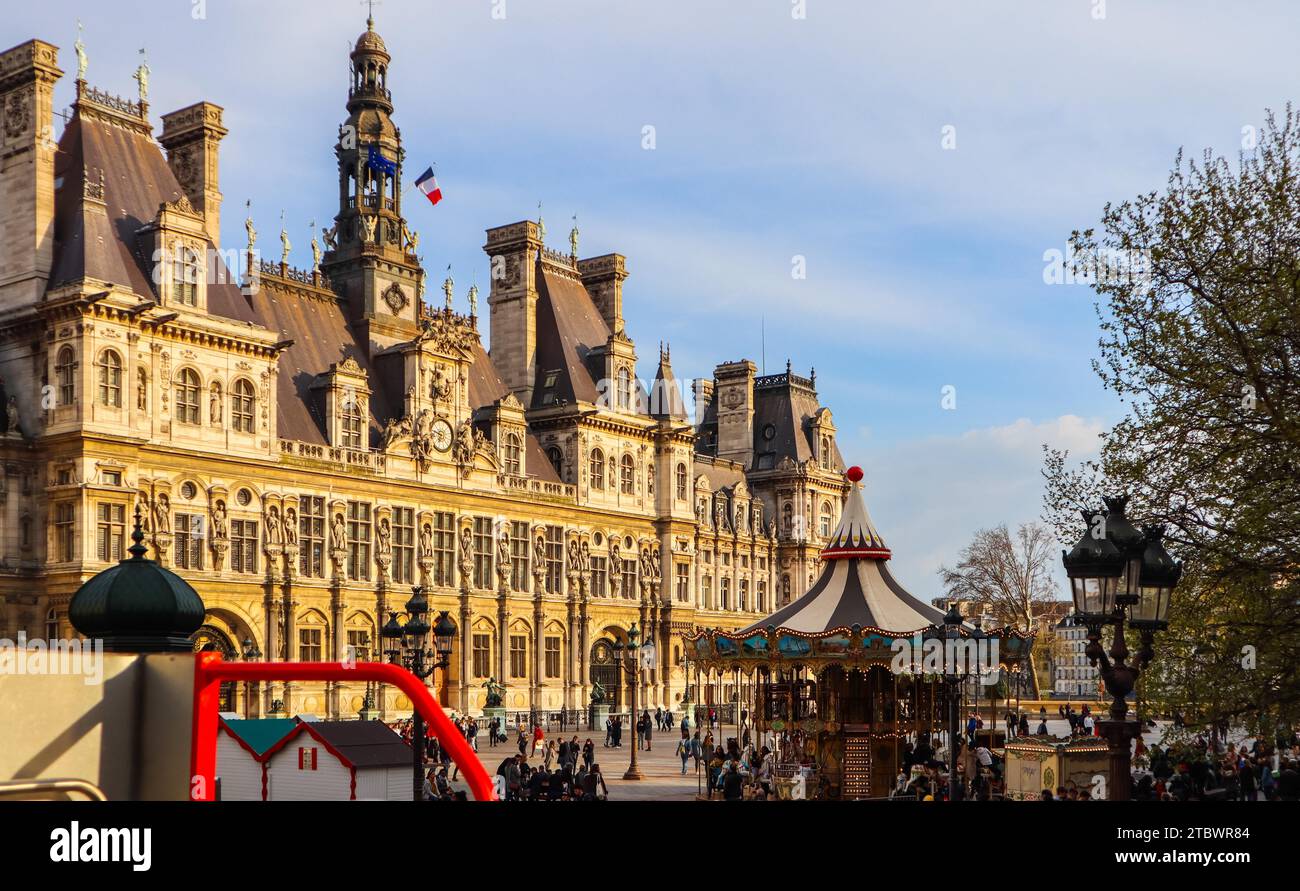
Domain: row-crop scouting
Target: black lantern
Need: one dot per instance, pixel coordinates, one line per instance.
(444, 632)
(632, 635)
(1131, 543)
(1095, 568)
(1159, 574)
(416, 609)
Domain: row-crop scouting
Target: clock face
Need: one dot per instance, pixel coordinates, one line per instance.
(441, 434)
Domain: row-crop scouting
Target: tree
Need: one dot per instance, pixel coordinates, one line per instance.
(1006, 575)
(1201, 341)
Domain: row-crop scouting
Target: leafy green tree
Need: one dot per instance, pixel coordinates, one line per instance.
(1198, 289)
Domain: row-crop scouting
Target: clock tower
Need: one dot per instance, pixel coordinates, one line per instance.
(370, 253)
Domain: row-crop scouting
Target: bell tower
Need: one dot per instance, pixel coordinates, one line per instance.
(370, 254)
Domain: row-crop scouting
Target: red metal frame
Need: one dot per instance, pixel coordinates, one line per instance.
(210, 670)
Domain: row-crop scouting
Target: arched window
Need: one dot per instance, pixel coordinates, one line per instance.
(825, 524)
(556, 457)
(681, 482)
(52, 624)
(110, 379)
(628, 475)
(187, 396)
(624, 389)
(352, 424)
(65, 373)
(514, 455)
(185, 277)
(826, 452)
(597, 469)
(243, 400)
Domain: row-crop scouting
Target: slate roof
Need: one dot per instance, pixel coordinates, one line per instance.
(363, 743)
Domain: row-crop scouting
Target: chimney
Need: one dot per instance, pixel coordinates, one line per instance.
(513, 252)
(734, 395)
(191, 137)
(28, 73)
(603, 276)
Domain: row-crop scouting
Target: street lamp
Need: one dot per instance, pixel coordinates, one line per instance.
(250, 654)
(634, 667)
(948, 634)
(407, 642)
(1113, 568)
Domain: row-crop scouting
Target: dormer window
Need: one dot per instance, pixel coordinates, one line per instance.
(185, 277)
(514, 454)
(624, 389)
(351, 429)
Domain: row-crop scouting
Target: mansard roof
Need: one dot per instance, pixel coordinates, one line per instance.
(136, 180)
(788, 403)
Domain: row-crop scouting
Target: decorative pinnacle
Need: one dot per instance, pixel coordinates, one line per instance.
(137, 549)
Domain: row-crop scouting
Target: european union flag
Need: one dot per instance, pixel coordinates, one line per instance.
(376, 161)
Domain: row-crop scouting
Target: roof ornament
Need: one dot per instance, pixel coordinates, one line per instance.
(80, 47)
(142, 76)
(285, 246)
(315, 249)
(573, 238)
(541, 224)
(473, 301)
(248, 224)
(447, 287)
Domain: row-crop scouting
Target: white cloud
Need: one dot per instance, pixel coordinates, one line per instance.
(928, 496)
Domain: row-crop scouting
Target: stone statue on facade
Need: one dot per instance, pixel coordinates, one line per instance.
(466, 554)
(285, 247)
(11, 417)
(82, 60)
(495, 693)
(162, 514)
(142, 78)
(315, 255)
(219, 518)
(384, 538)
(274, 529)
(597, 693)
(290, 526)
(338, 534)
(473, 300)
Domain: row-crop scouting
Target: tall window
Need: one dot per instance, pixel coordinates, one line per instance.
(825, 523)
(482, 653)
(351, 424)
(725, 589)
(681, 482)
(189, 541)
(744, 594)
(311, 536)
(552, 657)
(110, 379)
(519, 556)
(519, 655)
(404, 545)
(628, 586)
(359, 643)
(826, 452)
(599, 576)
(483, 552)
(64, 532)
(556, 457)
(110, 532)
(761, 606)
(187, 396)
(628, 475)
(706, 592)
(597, 469)
(624, 390)
(185, 277)
(444, 549)
(683, 581)
(65, 373)
(514, 454)
(358, 541)
(243, 546)
(554, 559)
(310, 644)
(242, 402)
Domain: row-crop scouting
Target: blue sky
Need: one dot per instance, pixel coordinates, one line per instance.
(775, 136)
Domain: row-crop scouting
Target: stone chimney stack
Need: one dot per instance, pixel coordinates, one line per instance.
(734, 395)
(513, 252)
(191, 137)
(603, 277)
(28, 73)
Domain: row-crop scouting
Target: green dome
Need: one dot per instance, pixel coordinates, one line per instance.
(138, 606)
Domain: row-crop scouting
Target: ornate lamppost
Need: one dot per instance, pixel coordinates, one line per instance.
(1117, 573)
(948, 635)
(408, 648)
(250, 653)
(634, 667)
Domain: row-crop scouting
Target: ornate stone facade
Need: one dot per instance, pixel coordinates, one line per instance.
(306, 446)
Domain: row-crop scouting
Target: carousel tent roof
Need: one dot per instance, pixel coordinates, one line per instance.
(855, 586)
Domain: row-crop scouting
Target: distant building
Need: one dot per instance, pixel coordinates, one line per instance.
(1072, 676)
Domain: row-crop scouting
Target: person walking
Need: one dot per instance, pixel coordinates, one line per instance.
(684, 752)
(609, 732)
(588, 753)
(649, 731)
(538, 737)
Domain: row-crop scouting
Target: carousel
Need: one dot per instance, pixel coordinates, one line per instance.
(835, 680)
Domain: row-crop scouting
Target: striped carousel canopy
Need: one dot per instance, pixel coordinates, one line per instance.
(855, 586)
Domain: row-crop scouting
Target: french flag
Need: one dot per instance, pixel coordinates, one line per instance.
(428, 184)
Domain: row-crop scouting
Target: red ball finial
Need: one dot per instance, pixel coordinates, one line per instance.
(855, 474)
